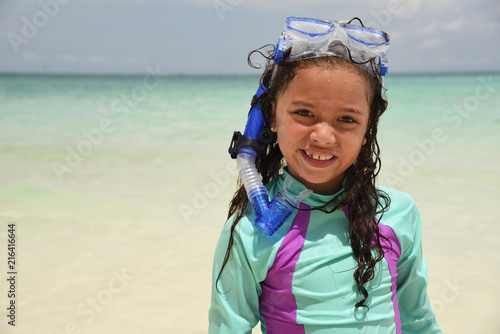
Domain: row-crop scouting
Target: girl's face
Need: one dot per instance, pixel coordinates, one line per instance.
(321, 120)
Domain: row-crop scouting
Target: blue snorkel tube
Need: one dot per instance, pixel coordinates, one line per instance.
(302, 38)
(270, 215)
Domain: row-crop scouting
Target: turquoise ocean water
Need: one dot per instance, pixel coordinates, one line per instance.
(105, 172)
(104, 138)
(117, 137)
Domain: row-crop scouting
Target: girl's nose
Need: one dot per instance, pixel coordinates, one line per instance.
(323, 134)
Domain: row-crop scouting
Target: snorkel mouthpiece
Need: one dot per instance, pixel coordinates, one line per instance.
(281, 207)
(269, 216)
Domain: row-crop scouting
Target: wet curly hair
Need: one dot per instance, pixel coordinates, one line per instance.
(363, 200)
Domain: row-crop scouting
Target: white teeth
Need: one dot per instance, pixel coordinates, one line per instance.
(319, 157)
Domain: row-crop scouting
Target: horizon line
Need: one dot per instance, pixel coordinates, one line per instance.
(181, 74)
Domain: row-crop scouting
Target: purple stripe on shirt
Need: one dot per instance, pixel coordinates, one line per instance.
(277, 301)
(392, 252)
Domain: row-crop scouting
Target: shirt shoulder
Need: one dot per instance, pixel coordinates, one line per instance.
(402, 216)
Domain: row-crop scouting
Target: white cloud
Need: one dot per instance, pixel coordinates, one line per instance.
(397, 36)
(444, 60)
(66, 57)
(436, 27)
(414, 5)
(135, 61)
(455, 25)
(430, 43)
(30, 56)
(429, 29)
(93, 58)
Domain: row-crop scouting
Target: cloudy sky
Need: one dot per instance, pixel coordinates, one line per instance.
(215, 36)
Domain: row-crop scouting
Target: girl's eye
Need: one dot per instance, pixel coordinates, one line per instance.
(347, 119)
(303, 113)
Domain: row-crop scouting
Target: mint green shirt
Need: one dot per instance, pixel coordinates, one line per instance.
(300, 280)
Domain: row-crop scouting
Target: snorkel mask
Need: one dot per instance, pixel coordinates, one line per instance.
(302, 38)
(311, 38)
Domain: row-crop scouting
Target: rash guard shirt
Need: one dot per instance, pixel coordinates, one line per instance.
(300, 280)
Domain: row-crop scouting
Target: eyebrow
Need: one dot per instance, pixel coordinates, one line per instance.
(303, 103)
(353, 110)
(310, 105)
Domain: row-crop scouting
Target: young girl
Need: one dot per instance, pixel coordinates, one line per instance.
(346, 258)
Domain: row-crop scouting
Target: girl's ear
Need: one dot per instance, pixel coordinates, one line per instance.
(273, 117)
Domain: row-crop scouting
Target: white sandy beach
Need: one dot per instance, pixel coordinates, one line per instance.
(113, 265)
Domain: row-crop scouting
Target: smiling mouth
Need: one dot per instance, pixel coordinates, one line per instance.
(319, 157)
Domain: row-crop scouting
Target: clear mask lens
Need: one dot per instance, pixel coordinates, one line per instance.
(309, 38)
(312, 28)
